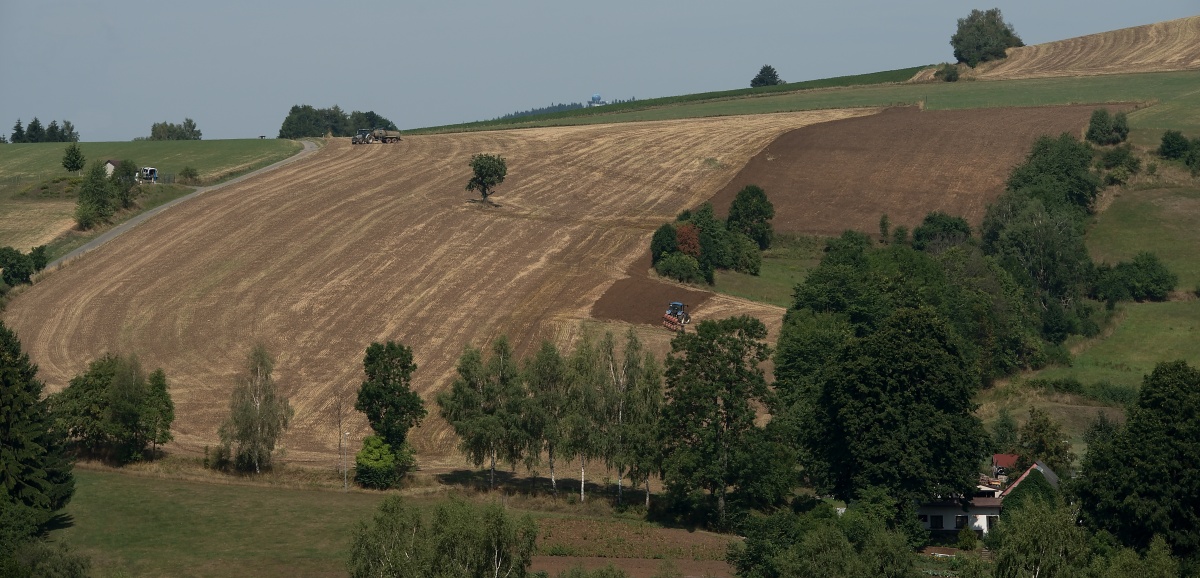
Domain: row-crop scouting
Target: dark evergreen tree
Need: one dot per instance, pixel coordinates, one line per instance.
(35, 470)
(35, 132)
(1145, 480)
(18, 133)
(767, 76)
(73, 159)
(53, 132)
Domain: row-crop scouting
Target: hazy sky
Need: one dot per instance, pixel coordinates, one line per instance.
(114, 68)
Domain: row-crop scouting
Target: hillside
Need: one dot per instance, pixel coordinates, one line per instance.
(358, 244)
(826, 178)
(1159, 47)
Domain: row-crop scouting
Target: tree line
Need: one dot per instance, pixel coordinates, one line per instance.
(698, 243)
(305, 121)
(36, 133)
(187, 130)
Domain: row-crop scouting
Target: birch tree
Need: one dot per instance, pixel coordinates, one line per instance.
(258, 414)
(548, 381)
(585, 397)
(628, 399)
(483, 406)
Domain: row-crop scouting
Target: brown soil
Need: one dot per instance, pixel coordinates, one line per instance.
(642, 299)
(826, 178)
(367, 243)
(1160, 47)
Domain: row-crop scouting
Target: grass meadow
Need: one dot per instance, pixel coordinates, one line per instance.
(1176, 92)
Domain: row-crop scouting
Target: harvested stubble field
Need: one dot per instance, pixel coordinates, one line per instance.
(360, 244)
(1159, 47)
(827, 178)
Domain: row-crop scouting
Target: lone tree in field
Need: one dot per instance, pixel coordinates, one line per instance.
(766, 77)
(258, 415)
(490, 171)
(73, 159)
(983, 36)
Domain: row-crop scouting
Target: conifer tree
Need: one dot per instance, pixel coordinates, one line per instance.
(35, 472)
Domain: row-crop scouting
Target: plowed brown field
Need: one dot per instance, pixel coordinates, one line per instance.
(366, 243)
(827, 178)
(1160, 47)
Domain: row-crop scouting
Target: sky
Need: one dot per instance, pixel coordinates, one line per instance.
(236, 67)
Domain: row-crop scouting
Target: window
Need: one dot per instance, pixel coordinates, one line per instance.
(935, 523)
(923, 519)
(960, 522)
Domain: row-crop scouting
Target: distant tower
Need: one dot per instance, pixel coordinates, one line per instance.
(595, 101)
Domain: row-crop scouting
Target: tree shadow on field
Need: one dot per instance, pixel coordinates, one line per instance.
(486, 203)
(58, 522)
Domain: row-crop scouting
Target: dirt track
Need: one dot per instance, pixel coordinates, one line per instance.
(826, 178)
(357, 244)
(1159, 47)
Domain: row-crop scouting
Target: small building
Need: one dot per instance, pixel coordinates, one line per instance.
(981, 511)
(110, 165)
(1002, 464)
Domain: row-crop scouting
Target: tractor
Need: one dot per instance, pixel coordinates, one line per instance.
(676, 316)
(364, 136)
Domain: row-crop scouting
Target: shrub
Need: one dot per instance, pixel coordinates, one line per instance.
(947, 72)
(188, 175)
(967, 540)
(746, 254)
(1117, 176)
(680, 267)
(1107, 392)
(1121, 157)
(1174, 145)
(375, 464)
(663, 242)
(1105, 129)
(1146, 278)
(938, 228)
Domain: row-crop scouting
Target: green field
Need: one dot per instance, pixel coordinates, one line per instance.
(888, 76)
(784, 265)
(1162, 221)
(1175, 92)
(149, 522)
(214, 159)
(145, 526)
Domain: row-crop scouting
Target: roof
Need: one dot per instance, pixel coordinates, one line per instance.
(113, 162)
(1004, 460)
(1039, 466)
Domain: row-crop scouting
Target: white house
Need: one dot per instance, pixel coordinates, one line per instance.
(110, 165)
(980, 512)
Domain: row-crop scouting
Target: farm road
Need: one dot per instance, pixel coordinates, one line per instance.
(309, 148)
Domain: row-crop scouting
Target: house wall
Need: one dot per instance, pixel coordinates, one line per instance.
(976, 517)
